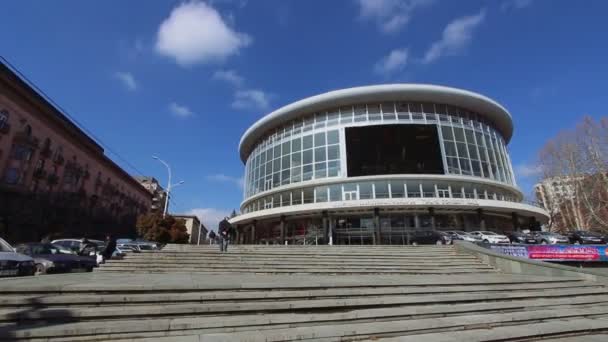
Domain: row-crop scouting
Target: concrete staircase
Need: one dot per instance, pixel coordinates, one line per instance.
(301, 259)
(247, 299)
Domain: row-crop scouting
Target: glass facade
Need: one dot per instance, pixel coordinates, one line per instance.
(293, 159)
(380, 189)
(309, 148)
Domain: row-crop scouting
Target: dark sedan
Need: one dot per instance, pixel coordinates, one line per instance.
(519, 237)
(583, 237)
(49, 259)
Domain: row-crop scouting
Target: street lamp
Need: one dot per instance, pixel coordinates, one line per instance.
(169, 185)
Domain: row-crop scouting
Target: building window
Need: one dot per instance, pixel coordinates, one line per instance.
(3, 118)
(11, 176)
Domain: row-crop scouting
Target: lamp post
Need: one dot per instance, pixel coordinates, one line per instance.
(169, 185)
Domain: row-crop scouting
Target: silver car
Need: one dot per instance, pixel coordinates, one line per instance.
(14, 264)
(548, 238)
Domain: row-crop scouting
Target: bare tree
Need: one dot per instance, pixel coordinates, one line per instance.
(577, 161)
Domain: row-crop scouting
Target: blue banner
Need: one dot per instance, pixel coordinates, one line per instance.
(555, 252)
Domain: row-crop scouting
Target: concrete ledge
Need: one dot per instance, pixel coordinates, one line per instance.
(517, 265)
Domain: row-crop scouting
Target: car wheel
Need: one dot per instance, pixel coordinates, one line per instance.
(439, 242)
(486, 241)
(414, 243)
(577, 242)
(39, 269)
(90, 269)
(543, 242)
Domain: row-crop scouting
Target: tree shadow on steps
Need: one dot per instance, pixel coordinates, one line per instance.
(35, 315)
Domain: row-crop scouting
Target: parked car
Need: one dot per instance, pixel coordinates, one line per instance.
(129, 248)
(49, 259)
(462, 235)
(429, 237)
(490, 237)
(547, 238)
(519, 237)
(13, 263)
(76, 246)
(582, 237)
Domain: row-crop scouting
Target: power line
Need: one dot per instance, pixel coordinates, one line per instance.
(64, 112)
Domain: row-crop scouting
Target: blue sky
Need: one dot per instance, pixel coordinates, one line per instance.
(183, 80)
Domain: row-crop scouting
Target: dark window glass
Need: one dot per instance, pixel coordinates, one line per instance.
(319, 139)
(320, 154)
(307, 142)
(333, 152)
(332, 137)
(365, 190)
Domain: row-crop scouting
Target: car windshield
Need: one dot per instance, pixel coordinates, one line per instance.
(460, 232)
(44, 249)
(5, 247)
(145, 247)
(489, 233)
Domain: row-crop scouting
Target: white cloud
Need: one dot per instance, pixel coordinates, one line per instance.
(220, 177)
(526, 170)
(515, 4)
(456, 36)
(179, 110)
(251, 99)
(210, 217)
(229, 76)
(394, 61)
(127, 79)
(195, 32)
(390, 15)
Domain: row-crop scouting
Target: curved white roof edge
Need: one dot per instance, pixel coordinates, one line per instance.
(378, 93)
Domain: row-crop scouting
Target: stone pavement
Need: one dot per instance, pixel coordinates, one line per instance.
(251, 305)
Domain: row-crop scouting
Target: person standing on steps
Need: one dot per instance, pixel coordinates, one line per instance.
(225, 231)
(211, 237)
(110, 247)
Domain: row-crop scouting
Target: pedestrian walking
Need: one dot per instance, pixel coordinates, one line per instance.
(110, 247)
(211, 237)
(225, 231)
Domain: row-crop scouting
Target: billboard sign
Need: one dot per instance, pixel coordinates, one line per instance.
(554, 252)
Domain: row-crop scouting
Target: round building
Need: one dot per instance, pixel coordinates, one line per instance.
(369, 165)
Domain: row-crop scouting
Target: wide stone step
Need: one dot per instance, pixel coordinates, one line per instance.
(279, 265)
(210, 324)
(151, 283)
(302, 260)
(358, 324)
(99, 299)
(140, 311)
(291, 271)
(575, 320)
(570, 330)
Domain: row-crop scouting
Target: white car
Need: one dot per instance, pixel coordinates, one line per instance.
(491, 237)
(14, 264)
(462, 235)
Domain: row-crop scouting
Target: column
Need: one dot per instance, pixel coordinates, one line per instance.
(515, 221)
(253, 232)
(325, 223)
(377, 233)
(238, 235)
(282, 228)
(482, 220)
(432, 215)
